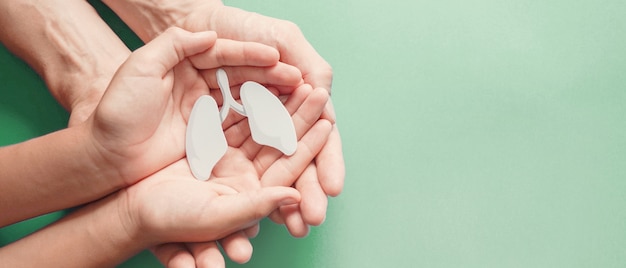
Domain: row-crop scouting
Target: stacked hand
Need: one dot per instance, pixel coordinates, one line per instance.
(286, 37)
(139, 124)
(136, 139)
(129, 137)
(148, 18)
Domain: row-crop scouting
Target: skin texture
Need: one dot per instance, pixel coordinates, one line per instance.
(150, 212)
(82, 54)
(154, 210)
(326, 175)
(73, 51)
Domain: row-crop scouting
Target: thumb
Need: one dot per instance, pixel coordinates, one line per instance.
(242, 210)
(160, 55)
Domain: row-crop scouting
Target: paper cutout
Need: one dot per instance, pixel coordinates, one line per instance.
(269, 121)
(205, 142)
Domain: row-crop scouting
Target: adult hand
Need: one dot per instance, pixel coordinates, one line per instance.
(294, 49)
(148, 18)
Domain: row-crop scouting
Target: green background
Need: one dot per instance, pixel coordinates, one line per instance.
(476, 133)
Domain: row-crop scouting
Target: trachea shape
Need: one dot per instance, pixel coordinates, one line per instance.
(269, 121)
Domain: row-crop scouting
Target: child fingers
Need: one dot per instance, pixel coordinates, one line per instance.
(240, 211)
(207, 255)
(237, 246)
(174, 45)
(294, 221)
(173, 255)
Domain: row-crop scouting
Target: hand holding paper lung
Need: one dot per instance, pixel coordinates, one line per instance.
(269, 121)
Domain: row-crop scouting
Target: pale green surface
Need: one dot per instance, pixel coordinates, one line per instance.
(476, 134)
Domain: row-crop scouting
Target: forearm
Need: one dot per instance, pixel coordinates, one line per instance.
(52, 172)
(94, 236)
(66, 42)
(149, 18)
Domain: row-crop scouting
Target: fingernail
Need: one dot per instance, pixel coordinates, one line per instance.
(288, 201)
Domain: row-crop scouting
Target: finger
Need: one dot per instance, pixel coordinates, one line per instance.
(188, 87)
(239, 211)
(329, 112)
(237, 133)
(311, 110)
(174, 255)
(207, 255)
(238, 247)
(276, 217)
(287, 169)
(160, 55)
(303, 119)
(252, 232)
(228, 52)
(318, 73)
(293, 220)
(330, 164)
(314, 200)
(297, 98)
(294, 49)
(278, 75)
(251, 148)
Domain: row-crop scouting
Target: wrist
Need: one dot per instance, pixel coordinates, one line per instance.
(101, 167)
(196, 20)
(71, 51)
(149, 18)
(130, 223)
(93, 236)
(108, 228)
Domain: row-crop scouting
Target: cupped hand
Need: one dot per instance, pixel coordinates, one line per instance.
(149, 18)
(173, 206)
(139, 124)
(141, 119)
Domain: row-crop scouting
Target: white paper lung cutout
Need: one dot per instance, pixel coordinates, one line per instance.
(205, 142)
(269, 121)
